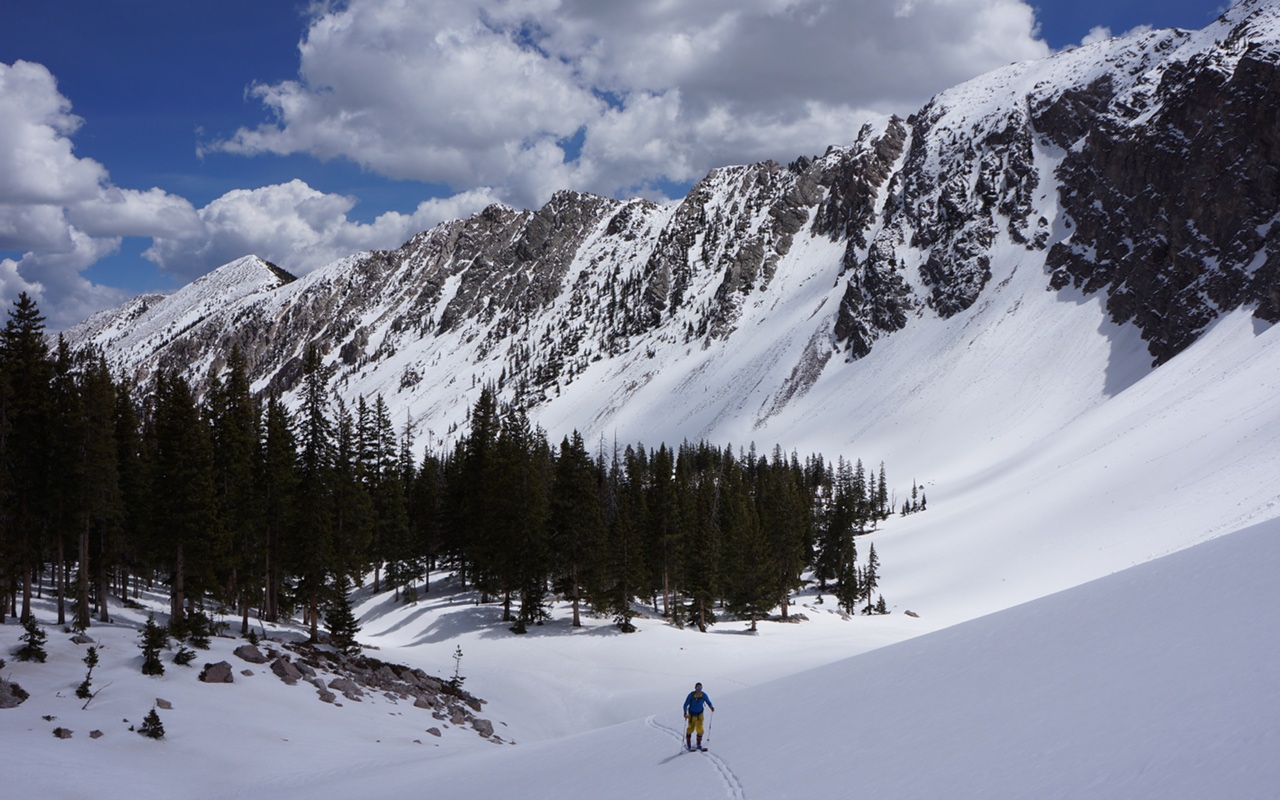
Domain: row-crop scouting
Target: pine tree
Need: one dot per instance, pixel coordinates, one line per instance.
(32, 642)
(576, 521)
(83, 691)
(31, 491)
(750, 573)
(871, 578)
(236, 425)
(279, 486)
(186, 534)
(340, 619)
(311, 549)
(154, 639)
(151, 726)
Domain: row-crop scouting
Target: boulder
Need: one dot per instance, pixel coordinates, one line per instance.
(217, 673)
(284, 668)
(251, 653)
(483, 727)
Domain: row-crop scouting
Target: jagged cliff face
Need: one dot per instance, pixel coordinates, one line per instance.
(1142, 171)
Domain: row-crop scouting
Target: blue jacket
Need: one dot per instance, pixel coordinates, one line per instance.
(693, 703)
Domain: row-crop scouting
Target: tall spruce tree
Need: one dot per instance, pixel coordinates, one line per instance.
(237, 447)
(100, 503)
(186, 532)
(30, 496)
(310, 550)
(279, 484)
(576, 521)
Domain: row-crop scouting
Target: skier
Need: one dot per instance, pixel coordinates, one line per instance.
(693, 712)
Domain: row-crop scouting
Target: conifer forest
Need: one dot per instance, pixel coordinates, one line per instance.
(233, 504)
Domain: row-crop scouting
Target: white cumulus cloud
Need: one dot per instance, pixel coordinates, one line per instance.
(294, 226)
(615, 97)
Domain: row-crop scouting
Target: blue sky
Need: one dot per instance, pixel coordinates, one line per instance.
(150, 140)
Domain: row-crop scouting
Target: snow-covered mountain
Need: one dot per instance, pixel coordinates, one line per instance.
(1138, 171)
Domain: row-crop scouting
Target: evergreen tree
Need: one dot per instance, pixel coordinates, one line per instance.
(133, 462)
(279, 487)
(665, 529)
(237, 448)
(33, 640)
(340, 619)
(31, 492)
(84, 691)
(154, 639)
(749, 574)
(311, 549)
(871, 578)
(426, 525)
(576, 521)
(101, 494)
(700, 472)
(186, 533)
(354, 516)
(151, 726)
(522, 467)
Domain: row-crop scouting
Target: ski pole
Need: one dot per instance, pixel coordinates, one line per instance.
(711, 718)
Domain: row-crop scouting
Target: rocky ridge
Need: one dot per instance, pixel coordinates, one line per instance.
(1142, 168)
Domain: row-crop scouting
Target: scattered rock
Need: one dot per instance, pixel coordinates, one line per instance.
(913, 614)
(82, 638)
(327, 696)
(164, 704)
(248, 673)
(250, 653)
(217, 673)
(349, 688)
(95, 734)
(62, 733)
(434, 731)
(483, 727)
(288, 673)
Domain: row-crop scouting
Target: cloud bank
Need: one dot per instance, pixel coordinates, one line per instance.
(615, 98)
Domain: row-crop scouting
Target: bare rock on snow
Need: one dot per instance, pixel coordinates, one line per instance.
(217, 673)
(483, 727)
(251, 653)
(286, 670)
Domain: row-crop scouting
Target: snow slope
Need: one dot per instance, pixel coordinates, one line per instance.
(1157, 682)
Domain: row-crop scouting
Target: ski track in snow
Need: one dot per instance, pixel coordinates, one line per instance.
(731, 782)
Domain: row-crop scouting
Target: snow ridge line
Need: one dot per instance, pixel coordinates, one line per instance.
(732, 784)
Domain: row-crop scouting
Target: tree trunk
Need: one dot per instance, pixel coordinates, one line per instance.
(61, 581)
(577, 593)
(104, 589)
(179, 587)
(82, 580)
